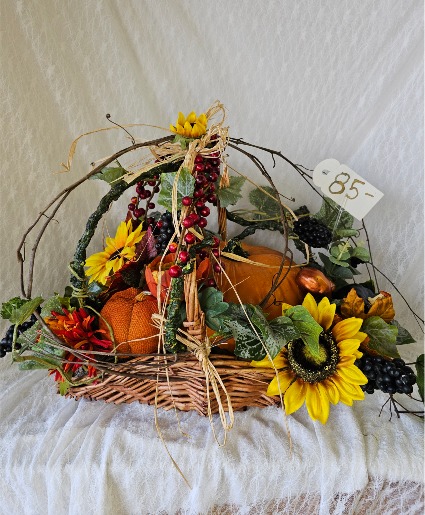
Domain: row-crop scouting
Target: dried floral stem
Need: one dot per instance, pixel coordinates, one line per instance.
(60, 198)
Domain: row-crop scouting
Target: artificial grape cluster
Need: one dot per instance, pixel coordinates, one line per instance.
(389, 376)
(144, 194)
(6, 342)
(313, 232)
(163, 230)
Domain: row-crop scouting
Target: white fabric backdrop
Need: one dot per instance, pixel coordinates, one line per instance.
(313, 79)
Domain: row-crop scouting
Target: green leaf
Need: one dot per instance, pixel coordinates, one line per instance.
(383, 336)
(64, 387)
(264, 203)
(211, 301)
(339, 253)
(282, 329)
(307, 327)
(9, 307)
(329, 214)
(334, 271)
(110, 175)
(230, 195)
(419, 365)
(32, 365)
(54, 304)
(403, 336)
(248, 344)
(346, 233)
(339, 262)
(184, 142)
(185, 187)
(20, 314)
(360, 253)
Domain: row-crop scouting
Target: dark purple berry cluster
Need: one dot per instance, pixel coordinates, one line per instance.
(313, 232)
(6, 342)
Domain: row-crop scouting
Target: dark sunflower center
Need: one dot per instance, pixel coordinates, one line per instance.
(115, 254)
(312, 368)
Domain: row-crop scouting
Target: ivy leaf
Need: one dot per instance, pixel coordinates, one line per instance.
(329, 214)
(360, 253)
(211, 301)
(335, 271)
(419, 365)
(382, 336)
(346, 233)
(264, 203)
(64, 387)
(403, 336)
(352, 305)
(53, 304)
(283, 331)
(309, 330)
(9, 307)
(21, 314)
(110, 175)
(338, 262)
(230, 195)
(185, 187)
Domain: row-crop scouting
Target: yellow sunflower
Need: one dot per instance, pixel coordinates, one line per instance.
(330, 378)
(118, 251)
(190, 126)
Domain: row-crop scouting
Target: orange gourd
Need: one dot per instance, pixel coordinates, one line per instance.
(129, 313)
(252, 282)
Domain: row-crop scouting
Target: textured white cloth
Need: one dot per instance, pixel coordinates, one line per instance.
(313, 79)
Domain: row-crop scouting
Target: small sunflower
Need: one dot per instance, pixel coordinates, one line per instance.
(190, 126)
(118, 251)
(330, 377)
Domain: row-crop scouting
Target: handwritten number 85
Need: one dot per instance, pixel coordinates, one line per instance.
(340, 185)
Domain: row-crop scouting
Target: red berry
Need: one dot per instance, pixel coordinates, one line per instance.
(199, 203)
(199, 159)
(172, 247)
(215, 162)
(195, 217)
(184, 256)
(186, 201)
(151, 205)
(200, 179)
(152, 183)
(215, 252)
(202, 223)
(210, 283)
(143, 195)
(204, 211)
(150, 220)
(215, 154)
(140, 188)
(217, 268)
(159, 224)
(131, 207)
(148, 193)
(175, 271)
(200, 167)
(187, 222)
(138, 213)
(216, 242)
(203, 254)
(198, 193)
(134, 200)
(212, 198)
(212, 188)
(189, 238)
(156, 189)
(213, 177)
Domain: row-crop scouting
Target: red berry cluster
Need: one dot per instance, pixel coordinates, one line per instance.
(144, 194)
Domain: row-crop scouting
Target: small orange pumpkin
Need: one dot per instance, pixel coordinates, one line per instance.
(129, 313)
(252, 282)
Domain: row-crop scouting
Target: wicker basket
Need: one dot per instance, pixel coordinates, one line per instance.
(185, 387)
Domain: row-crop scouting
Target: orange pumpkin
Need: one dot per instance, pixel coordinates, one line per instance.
(152, 273)
(228, 345)
(129, 313)
(252, 282)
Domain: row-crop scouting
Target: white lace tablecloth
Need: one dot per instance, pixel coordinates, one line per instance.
(59, 456)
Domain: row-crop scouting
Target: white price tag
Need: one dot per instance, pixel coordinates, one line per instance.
(346, 188)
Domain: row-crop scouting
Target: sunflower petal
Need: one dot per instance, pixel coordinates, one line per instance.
(332, 391)
(121, 234)
(311, 306)
(202, 120)
(360, 336)
(326, 313)
(347, 328)
(282, 381)
(279, 362)
(351, 374)
(348, 347)
(317, 403)
(191, 117)
(181, 119)
(172, 128)
(295, 396)
(347, 392)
